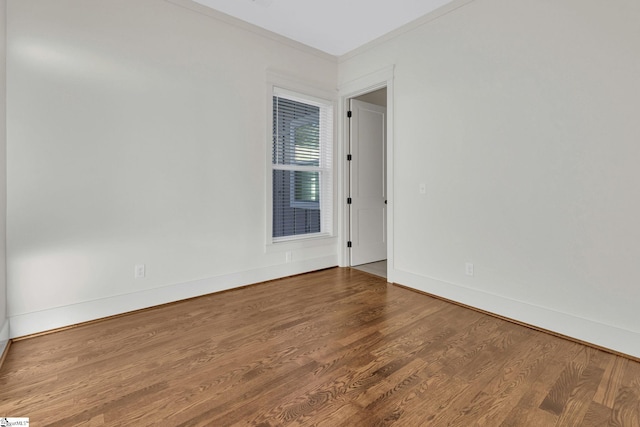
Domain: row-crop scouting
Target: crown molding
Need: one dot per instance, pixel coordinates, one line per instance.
(411, 26)
(238, 23)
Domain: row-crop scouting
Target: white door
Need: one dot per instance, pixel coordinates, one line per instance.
(368, 209)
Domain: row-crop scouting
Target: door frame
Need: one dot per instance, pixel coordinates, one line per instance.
(369, 83)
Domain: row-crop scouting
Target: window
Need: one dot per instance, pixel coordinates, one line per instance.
(302, 198)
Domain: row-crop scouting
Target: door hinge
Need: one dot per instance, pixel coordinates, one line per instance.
(349, 244)
(349, 114)
(348, 200)
(349, 157)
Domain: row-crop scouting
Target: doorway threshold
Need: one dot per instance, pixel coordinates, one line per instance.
(378, 268)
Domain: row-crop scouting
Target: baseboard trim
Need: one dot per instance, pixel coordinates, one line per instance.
(5, 342)
(5, 352)
(604, 337)
(60, 318)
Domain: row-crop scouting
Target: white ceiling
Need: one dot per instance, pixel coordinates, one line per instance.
(333, 26)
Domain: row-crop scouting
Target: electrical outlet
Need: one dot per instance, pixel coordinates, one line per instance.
(139, 271)
(468, 269)
(288, 256)
(422, 188)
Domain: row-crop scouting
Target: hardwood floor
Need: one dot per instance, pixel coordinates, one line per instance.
(331, 348)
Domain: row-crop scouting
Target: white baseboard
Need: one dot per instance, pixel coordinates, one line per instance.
(586, 330)
(59, 317)
(4, 336)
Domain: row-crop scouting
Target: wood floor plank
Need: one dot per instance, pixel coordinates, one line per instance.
(525, 411)
(332, 348)
(569, 379)
(626, 407)
(611, 381)
(495, 381)
(431, 402)
(581, 396)
(516, 381)
(597, 415)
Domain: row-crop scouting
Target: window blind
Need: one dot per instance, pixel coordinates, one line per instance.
(302, 173)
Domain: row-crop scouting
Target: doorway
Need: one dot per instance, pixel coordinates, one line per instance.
(367, 176)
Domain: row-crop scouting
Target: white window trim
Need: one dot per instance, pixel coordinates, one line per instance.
(280, 83)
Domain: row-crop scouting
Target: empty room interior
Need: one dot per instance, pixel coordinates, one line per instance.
(280, 212)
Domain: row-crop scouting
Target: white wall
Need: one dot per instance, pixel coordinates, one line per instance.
(521, 118)
(137, 133)
(4, 323)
